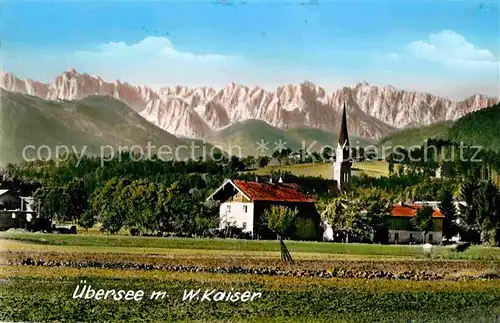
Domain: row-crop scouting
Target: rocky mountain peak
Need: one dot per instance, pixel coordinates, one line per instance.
(197, 112)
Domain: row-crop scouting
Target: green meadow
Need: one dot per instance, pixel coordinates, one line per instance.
(40, 273)
(370, 168)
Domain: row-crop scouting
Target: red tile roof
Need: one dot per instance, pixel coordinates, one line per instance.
(410, 210)
(281, 192)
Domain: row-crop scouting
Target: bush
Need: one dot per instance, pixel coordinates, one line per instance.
(305, 229)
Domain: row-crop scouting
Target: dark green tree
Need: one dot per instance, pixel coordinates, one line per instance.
(468, 210)
(249, 162)
(448, 209)
(77, 199)
(486, 201)
(280, 219)
(108, 207)
(282, 154)
(236, 164)
(264, 161)
(422, 221)
(391, 168)
(327, 153)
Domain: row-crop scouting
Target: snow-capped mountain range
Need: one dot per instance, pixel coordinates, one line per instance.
(199, 112)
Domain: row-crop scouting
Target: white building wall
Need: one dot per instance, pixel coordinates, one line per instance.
(238, 214)
(404, 236)
(328, 233)
(337, 166)
(27, 203)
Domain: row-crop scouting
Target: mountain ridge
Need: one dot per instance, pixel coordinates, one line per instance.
(200, 112)
(91, 126)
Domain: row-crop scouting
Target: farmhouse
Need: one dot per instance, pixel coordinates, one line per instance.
(19, 212)
(243, 204)
(402, 231)
(9, 200)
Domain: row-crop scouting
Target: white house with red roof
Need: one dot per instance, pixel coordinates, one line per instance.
(401, 229)
(243, 203)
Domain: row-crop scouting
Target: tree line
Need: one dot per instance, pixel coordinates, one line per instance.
(471, 208)
(159, 197)
(143, 197)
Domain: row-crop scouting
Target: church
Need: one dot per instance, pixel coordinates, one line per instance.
(242, 203)
(341, 168)
(343, 164)
(400, 229)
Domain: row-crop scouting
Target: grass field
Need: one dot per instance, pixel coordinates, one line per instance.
(116, 241)
(45, 295)
(328, 282)
(371, 168)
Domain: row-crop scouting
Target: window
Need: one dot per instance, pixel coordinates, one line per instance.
(245, 208)
(430, 237)
(228, 209)
(396, 236)
(411, 236)
(244, 225)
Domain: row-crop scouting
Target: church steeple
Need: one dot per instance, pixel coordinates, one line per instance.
(344, 135)
(342, 166)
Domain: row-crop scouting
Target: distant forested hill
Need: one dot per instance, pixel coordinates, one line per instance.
(246, 134)
(93, 122)
(478, 128)
(417, 136)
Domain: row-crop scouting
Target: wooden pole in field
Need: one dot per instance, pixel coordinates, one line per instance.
(285, 254)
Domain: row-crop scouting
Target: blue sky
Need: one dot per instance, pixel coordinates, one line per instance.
(448, 48)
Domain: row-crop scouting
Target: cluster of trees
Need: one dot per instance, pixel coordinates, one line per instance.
(466, 173)
(327, 154)
(145, 207)
(454, 160)
(154, 196)
(66, 204)
(94, 173)
(358, 215)
(479, 214)
(251, 162)
(409, 187)
(150, 208)
(362, 214)
(147, 196)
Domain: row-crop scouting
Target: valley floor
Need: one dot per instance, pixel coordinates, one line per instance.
(327, 282)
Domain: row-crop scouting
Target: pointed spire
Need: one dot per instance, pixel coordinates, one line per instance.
(344, 136)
